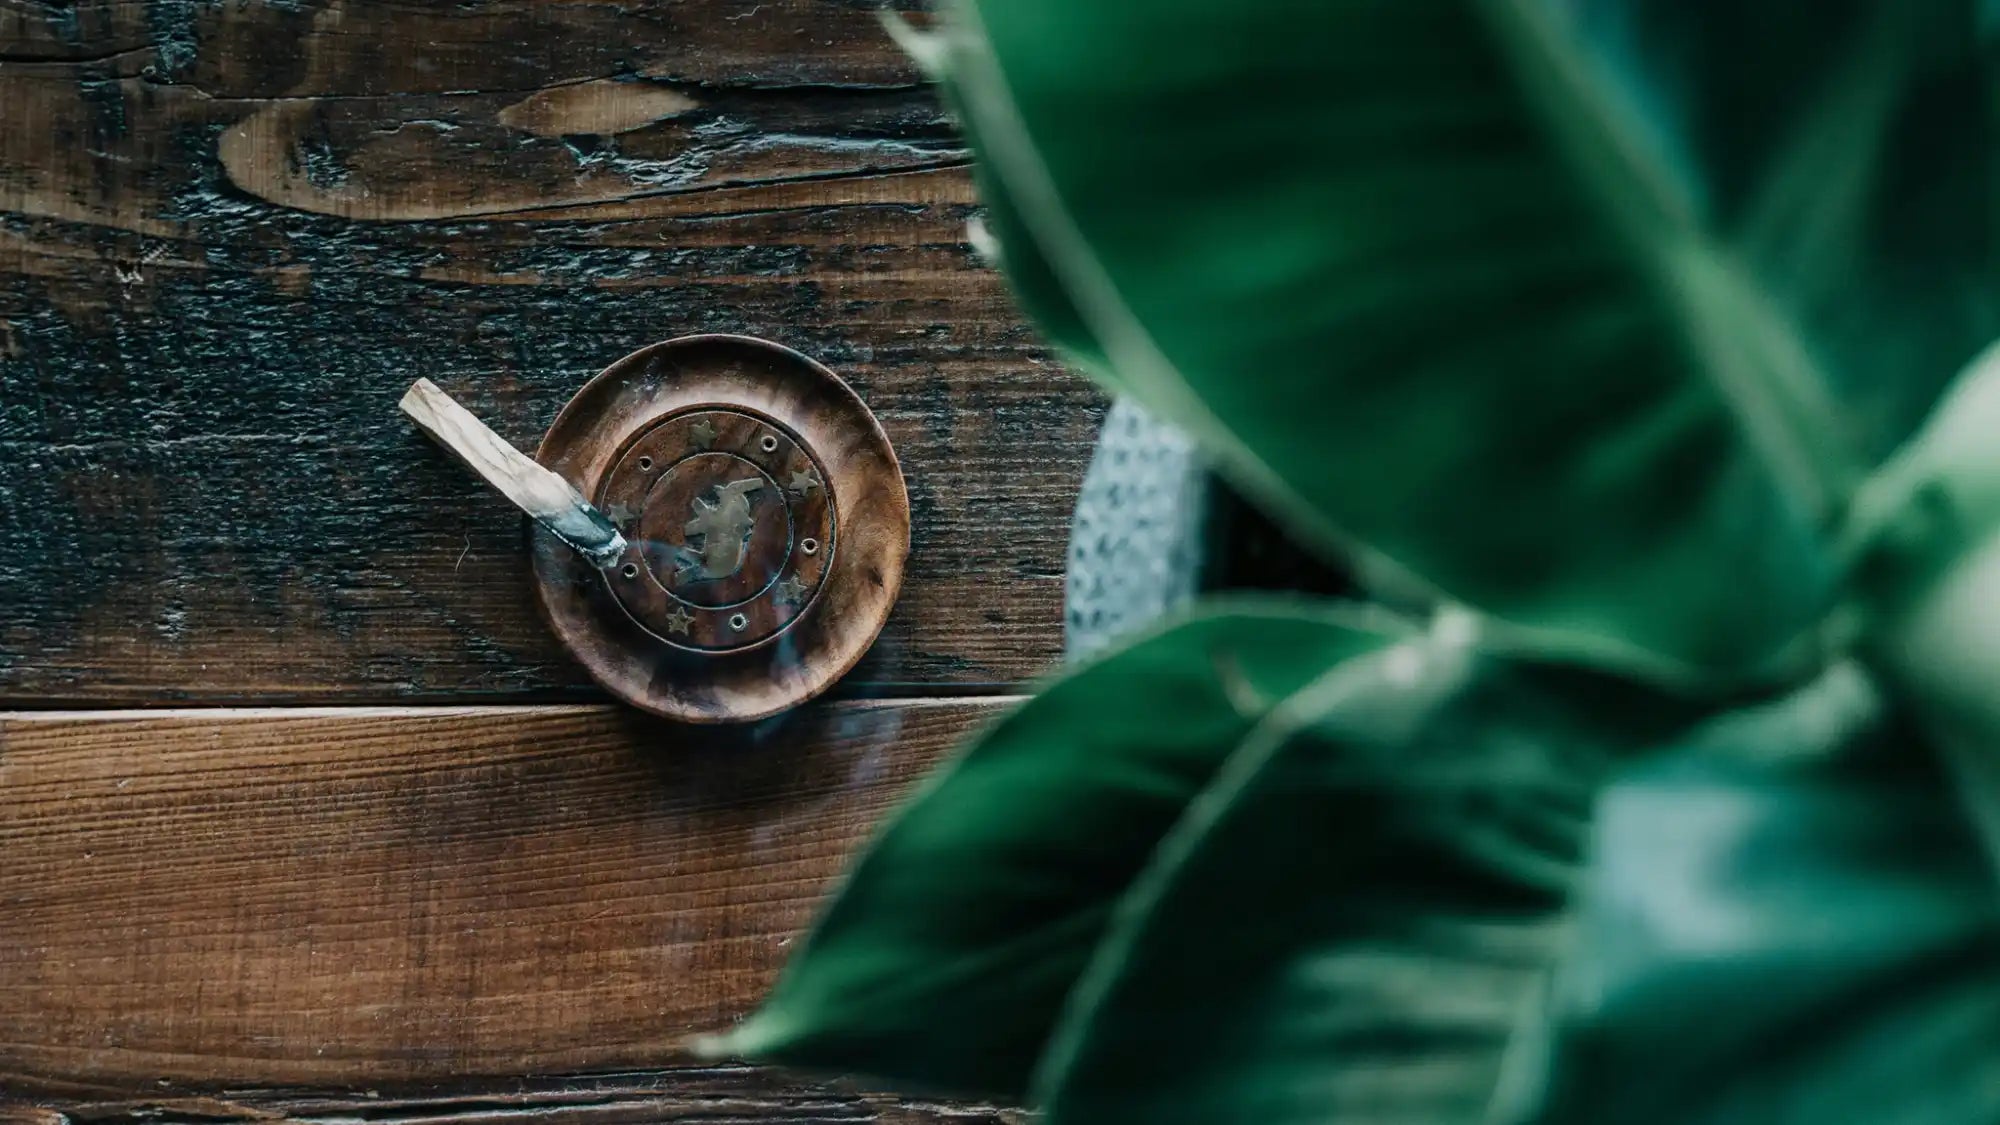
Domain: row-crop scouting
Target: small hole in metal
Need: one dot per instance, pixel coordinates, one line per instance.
(738, 622)
(645, 464)
(769, 443)
(810, 546)
(631, 570)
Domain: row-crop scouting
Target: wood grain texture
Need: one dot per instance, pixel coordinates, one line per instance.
(705, 1095)
(231, 234)
(199, 901)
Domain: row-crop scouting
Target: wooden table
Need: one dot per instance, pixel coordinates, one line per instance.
(302, 812)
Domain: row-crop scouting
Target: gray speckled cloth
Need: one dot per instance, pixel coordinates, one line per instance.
(1139, 540)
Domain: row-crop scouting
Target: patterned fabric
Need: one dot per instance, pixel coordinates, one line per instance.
(1155, 528)
(1140, 536)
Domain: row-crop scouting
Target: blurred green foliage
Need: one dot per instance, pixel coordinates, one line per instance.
(1647, 335)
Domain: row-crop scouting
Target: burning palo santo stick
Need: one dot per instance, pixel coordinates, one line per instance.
(552, 501)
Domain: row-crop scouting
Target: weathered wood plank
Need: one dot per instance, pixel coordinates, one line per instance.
(231, 234)
(705, 1095)
(360, 47)
(195, 901)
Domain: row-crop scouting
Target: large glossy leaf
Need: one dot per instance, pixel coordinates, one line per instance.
(1791, 921)
(1589, 313)
(1924, 540)
(945, 957)
(999, 233)
(1351, 924)
(1828, 144)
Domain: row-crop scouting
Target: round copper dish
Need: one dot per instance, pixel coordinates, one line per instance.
(766, 519)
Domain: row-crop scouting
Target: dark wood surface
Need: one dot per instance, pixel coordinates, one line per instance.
(697, 1095)
(230, 235)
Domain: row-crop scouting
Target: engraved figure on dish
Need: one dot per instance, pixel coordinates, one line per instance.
(722, 526)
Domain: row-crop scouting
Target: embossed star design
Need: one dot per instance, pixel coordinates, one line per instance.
(803, 481)
(791, 591)
(703, 433)
(679, 620)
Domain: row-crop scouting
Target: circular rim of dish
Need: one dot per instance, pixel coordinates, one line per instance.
(862, 478)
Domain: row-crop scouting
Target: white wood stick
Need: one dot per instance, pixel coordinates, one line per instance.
(552, 501)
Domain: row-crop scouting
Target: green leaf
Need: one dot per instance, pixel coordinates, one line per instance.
(1034, 283)
(1924, 543)
(1351, 921)
(1790, 921)
(1849, 186)
(1007, 242)
(1569, 308)
(944, 959)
